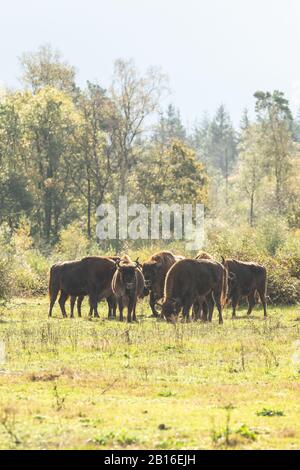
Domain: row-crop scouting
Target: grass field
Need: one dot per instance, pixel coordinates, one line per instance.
(79, 384)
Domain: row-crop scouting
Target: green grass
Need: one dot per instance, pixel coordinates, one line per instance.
(79, 384)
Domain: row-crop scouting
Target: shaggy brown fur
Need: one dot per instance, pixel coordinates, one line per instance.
(246, 280)
(203, 308)
(155, 270)
(90, 276)
(190, 279)
(128, 285)
(111, 301)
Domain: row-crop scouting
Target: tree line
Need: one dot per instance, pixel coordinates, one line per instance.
(64, 150)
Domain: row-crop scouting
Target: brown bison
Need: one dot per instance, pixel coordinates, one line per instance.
(189, 279)
(245, 280)
(111, 301)
(155, 271)
(128, 285)
(90, 276)
(203, 308)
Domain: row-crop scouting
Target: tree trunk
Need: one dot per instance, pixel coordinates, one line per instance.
(252, 210)
(226, 176)
(89, 203)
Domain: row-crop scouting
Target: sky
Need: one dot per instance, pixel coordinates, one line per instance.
(214, 51)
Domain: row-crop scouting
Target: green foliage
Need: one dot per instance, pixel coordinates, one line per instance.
(73, 243)
(268, 245)
(5, 278)
(269, 412)
(174, 176)
(46, 68)
(64, 150)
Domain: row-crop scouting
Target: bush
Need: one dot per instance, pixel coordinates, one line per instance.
(73, 243)
(289, 253)
(5, 266)
(270, 245)
(5, 279)
(283, 288)
(29, 267)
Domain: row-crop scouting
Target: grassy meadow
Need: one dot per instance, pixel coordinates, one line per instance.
(102, 384)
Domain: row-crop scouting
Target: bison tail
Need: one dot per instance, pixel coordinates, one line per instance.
(53, 284)
(224, 287)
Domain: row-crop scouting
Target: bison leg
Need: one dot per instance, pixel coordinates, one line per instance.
(262, 295)
(235, 301)
(114, 313)
(112, 306)
(93, 305)
(186, 311)
(130, 308)
(109, 315)
(72, 304)
(217, 298)
(152, 302)
(53, 298)
(195, 311)
(79, 303)
(134, 312)
(121, 307)
(205, 311)
(62, 301)
(251, 302)
(210, 305)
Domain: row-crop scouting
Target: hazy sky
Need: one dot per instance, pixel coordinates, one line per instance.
(213, 50)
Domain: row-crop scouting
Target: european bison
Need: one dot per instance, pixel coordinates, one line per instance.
(128, 285)
(111, 301)
(203, 308)
(155, 271)
(90, 276)
(246, 279)
(189, 279)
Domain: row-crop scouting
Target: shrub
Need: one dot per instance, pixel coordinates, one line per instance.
(289, 253)
(5, 278)
(73, 243)
(29, 267)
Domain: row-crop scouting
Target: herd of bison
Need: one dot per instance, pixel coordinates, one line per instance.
(174, 284)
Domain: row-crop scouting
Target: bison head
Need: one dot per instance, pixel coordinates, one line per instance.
(128, 275)
(171, 309)
(150, 272)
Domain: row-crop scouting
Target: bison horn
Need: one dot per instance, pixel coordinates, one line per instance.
(223, 259)
(138, 264)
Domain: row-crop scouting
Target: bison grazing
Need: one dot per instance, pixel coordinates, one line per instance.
(189, 279)
(155, 271)
(246, 279)
(90, 276)
(128, 285)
